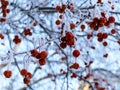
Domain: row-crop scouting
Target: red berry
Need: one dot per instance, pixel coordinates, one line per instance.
(58, 22)
(69, 35)
(113, 31)
(61, 10)
(63, 39)
(111, 19)
(26, 80)
(6, 3)
(92, 25)
(38, 56)
(99, 35)
(43, 54)
(35, 24)
(89, 35)
(99, 1)
(95, 20)
(7, 73)
(1, 36)
(82, 27)
(76, 53)
(58, 8)
(42, 61)
(74, 75)
(75, 66)
(105, 43)
(88, 75)
(8, 10)
(16, 39)
(72, 26)
(29, 75)
(60, 16)
(107, 23)
(100, 39)
(64, 6)
(27, 32)
(102, 20)
(70, 42)
(23, 72)
(105, 35)
(34, 52)
(96, 28)
(63, 45)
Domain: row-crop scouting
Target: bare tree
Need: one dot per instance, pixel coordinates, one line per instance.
(60, 44)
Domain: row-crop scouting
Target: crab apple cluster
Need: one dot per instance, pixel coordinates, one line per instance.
(41, 56)
(16, 39)
(75, 65)
(27, 32)
(102, 36)
(100, 22)
(68, 39)
(97, 82)
(7, 73)
(70, 7)
(61, 9)
(4, 4)
(74, 75)
(27, 76)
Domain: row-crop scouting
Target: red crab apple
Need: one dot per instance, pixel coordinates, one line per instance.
(76, 53)
(23, 72)
(7, 73)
